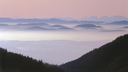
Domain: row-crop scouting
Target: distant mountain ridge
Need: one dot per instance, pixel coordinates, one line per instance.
(111, 57)
(68, 19)
(51, 20)
(105, 18)
(124, 22)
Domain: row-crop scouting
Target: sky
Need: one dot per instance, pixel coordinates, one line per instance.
(59, 44)
(62, 8)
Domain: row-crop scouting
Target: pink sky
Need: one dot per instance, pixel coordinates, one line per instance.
(62, 8)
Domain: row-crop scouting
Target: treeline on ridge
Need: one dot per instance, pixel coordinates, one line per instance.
(111, 57)
(13, 62)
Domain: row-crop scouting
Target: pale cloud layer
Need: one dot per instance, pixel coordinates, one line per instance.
(62, 8)
(77, 32)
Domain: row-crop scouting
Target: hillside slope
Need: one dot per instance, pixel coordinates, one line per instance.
(111, 57)
(13, 62)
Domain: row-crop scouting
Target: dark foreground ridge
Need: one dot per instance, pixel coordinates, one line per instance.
(13, 62)
(111, 57)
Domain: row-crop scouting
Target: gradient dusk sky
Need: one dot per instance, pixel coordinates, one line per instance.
(62, 8)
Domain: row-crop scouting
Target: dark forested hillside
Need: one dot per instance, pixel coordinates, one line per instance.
(111, 57)
(12, 62)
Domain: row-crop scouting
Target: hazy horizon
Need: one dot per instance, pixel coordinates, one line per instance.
(58, 31)
(60, 45)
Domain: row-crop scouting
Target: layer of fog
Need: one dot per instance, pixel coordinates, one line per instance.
(58, 46)
(54, 51)
(75, 36)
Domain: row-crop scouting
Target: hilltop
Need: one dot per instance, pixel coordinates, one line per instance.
(111, 57)
(13, 62)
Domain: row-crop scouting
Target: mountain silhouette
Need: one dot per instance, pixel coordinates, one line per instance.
(13, 62)
(111, 57)
(51, 20)
(33, 24)
(124, 22)
(37, 28)
(57, 26)
(87, 26)
(126, 27)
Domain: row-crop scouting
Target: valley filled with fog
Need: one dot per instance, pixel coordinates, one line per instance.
(58, 43)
